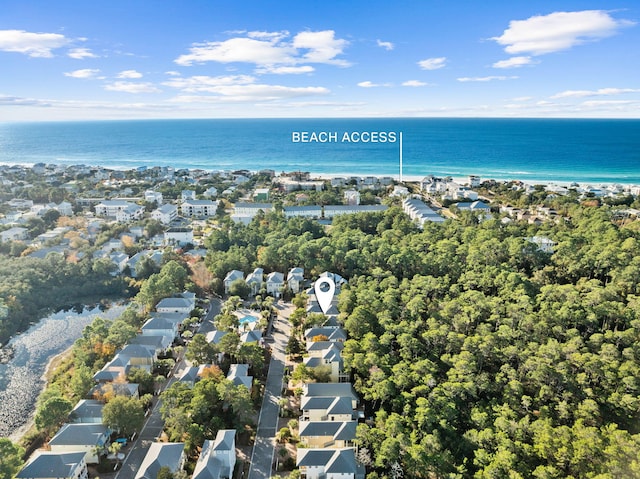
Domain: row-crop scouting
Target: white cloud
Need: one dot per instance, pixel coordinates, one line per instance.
(369, 84)
(486, 79)
(250, 93)
(201, 83)
(558, 31)
(131, 87)
(38, 45)
(322, 47)
(414, 83)
(433, 63)
(286, 70)
(84, 73)
(81, 53)
(386, 45)
(172, 73)
(269, 50)
(600, 92)
(514, 62)
(129, 74)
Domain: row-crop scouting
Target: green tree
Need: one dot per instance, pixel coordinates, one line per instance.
(10, 458)
(123, 414)
(199, 351)
(52, 413)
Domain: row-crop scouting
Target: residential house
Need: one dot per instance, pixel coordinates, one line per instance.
(165, 213)
(255, 280)
(474, 206)
(275, 283)
(352, 197)
(206, 208)
(151, 196)
(295, 279)
(210, 192)
(230, 278)
(178, 236)
(329, 464)
(327, 354)
(178, 304)
(331, 390)
(330, 434)
(544, 244)
(139, 356)
(158, 343)
(162, 454)
(261, 194)
(14, 234)
(420, 212)
(187, 195)
(87, 411)
(160, 327)
(327, 408)
(88, 438)
(218, 457)
(239, 375)
(55, 465)
(253, 336)
(331, 334)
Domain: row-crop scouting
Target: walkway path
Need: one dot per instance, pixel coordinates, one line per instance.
(264, 447)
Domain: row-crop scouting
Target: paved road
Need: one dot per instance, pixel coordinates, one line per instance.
(154, 423)
(264, 447)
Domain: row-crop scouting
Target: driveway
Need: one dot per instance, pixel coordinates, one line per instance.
(265, 444)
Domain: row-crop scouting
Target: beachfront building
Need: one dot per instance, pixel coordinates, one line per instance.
(204, 208)
(165, 214)
(55, 465)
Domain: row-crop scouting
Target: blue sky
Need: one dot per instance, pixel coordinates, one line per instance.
(79, 59)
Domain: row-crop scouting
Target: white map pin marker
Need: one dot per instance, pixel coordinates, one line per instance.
(325, 289)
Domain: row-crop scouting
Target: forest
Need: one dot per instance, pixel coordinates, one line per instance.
(477, 354)
(31, 287)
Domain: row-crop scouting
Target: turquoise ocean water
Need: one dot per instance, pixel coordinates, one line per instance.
(596, 151)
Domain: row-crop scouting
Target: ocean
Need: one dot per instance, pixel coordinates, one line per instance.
(546, 150)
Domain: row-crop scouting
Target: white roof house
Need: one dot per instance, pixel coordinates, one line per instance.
(295, 279)
(165, 213)
(255, 279)
(205, 208)
(326, 463)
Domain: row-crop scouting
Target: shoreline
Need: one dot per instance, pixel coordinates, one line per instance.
(457, 177)
(18, 435)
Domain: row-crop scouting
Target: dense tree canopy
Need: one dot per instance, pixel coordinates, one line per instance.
(476, 353)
